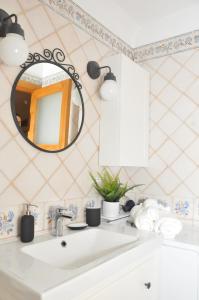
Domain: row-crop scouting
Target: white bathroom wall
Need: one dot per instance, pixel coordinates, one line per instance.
(27, 175)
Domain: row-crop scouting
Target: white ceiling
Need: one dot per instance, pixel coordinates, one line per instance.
(144, 11)
(140, 22)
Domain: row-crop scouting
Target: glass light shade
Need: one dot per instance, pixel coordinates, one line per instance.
(13, 50)
(109, 90)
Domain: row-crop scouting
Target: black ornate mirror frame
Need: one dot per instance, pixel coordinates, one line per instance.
(55, 57)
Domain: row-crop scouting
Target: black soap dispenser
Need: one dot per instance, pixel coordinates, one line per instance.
(27, 225)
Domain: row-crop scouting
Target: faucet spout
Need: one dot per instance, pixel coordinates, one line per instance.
(59, 225)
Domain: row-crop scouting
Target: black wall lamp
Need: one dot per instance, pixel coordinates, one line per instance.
(13, 48)
(109, 88)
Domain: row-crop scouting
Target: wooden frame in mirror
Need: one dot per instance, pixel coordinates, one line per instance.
(47, 103)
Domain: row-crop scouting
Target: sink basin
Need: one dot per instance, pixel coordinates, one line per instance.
(75, 250)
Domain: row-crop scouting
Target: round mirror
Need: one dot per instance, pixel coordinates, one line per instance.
(47, 106)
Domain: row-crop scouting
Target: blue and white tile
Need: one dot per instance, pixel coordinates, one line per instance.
(183, 207)
(9, 222)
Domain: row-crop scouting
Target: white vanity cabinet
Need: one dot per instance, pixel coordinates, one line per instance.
(124, 120)
(140, 283)
(178, 274)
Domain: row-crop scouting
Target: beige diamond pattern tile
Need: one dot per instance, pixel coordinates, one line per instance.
(12, 160)
(183, 107)
(193, 151)
(75, 163)
(4, 134)
(91, 51)
(193, 91)
(74, 192)
(73, 43)
(10, 6)
(46, 163)
(183, 136)
(169, 68)
(29, 33)
(157, 84)
(3, 182)
(40, 22)
(5, 92)
(169, 152)
(192, 63)
(169, 123)
(157, 138)
(61, 181)
(157, 110)
(183, 79)
(84, 181)
(11, 197)
(193, 121)
(154, 190)
(79, 60)
(57, 20)
(87, 147)
(183, 191)
(192, 182)
(142, 177)
(82, 35)
(46, 194)
(6, 118)
(29, 182)
(168, 181)
(91, 115)
(183, 167)
(28, 4)
(182, 57)
(95, 131)
(156, 165)
(169, 95)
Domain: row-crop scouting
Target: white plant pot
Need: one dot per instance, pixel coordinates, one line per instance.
(111, 209)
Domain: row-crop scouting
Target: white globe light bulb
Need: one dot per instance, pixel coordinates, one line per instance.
(109, 90)
(13, 49)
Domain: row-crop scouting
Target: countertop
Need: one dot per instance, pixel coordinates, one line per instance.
(188, 238)
(36, 279)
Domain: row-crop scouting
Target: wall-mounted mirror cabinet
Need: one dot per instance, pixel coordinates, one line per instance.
(47, 103)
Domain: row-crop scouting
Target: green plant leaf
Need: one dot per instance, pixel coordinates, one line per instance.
(110, 187)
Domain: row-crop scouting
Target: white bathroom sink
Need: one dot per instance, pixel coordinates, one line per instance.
(76, 250)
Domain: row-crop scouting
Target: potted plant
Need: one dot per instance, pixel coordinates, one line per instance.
(112, 190)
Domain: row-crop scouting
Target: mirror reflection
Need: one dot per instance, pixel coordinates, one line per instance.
(48, 106)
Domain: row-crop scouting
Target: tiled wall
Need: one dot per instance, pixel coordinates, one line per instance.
(174, 133)
(27, 175)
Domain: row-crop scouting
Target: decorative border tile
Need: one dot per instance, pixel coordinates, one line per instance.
(166, 47)
(79, 17)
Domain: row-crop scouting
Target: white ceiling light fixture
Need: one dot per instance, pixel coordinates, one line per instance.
(13, 48)
(109, 88)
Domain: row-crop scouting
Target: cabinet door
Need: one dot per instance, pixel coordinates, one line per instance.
(140, 284)
(178, 274)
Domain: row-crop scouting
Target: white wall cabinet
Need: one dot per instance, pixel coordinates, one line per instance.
(124, 121)
(141, 284)
(178, 273)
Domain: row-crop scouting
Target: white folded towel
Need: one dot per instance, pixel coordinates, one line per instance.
(168, 227)
(142, 221)
(159, 204)
(152, 213)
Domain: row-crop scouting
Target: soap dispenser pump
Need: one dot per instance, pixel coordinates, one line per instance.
(27, 225)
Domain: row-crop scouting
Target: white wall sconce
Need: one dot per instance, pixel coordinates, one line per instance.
(13, 48)
(109, 88)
